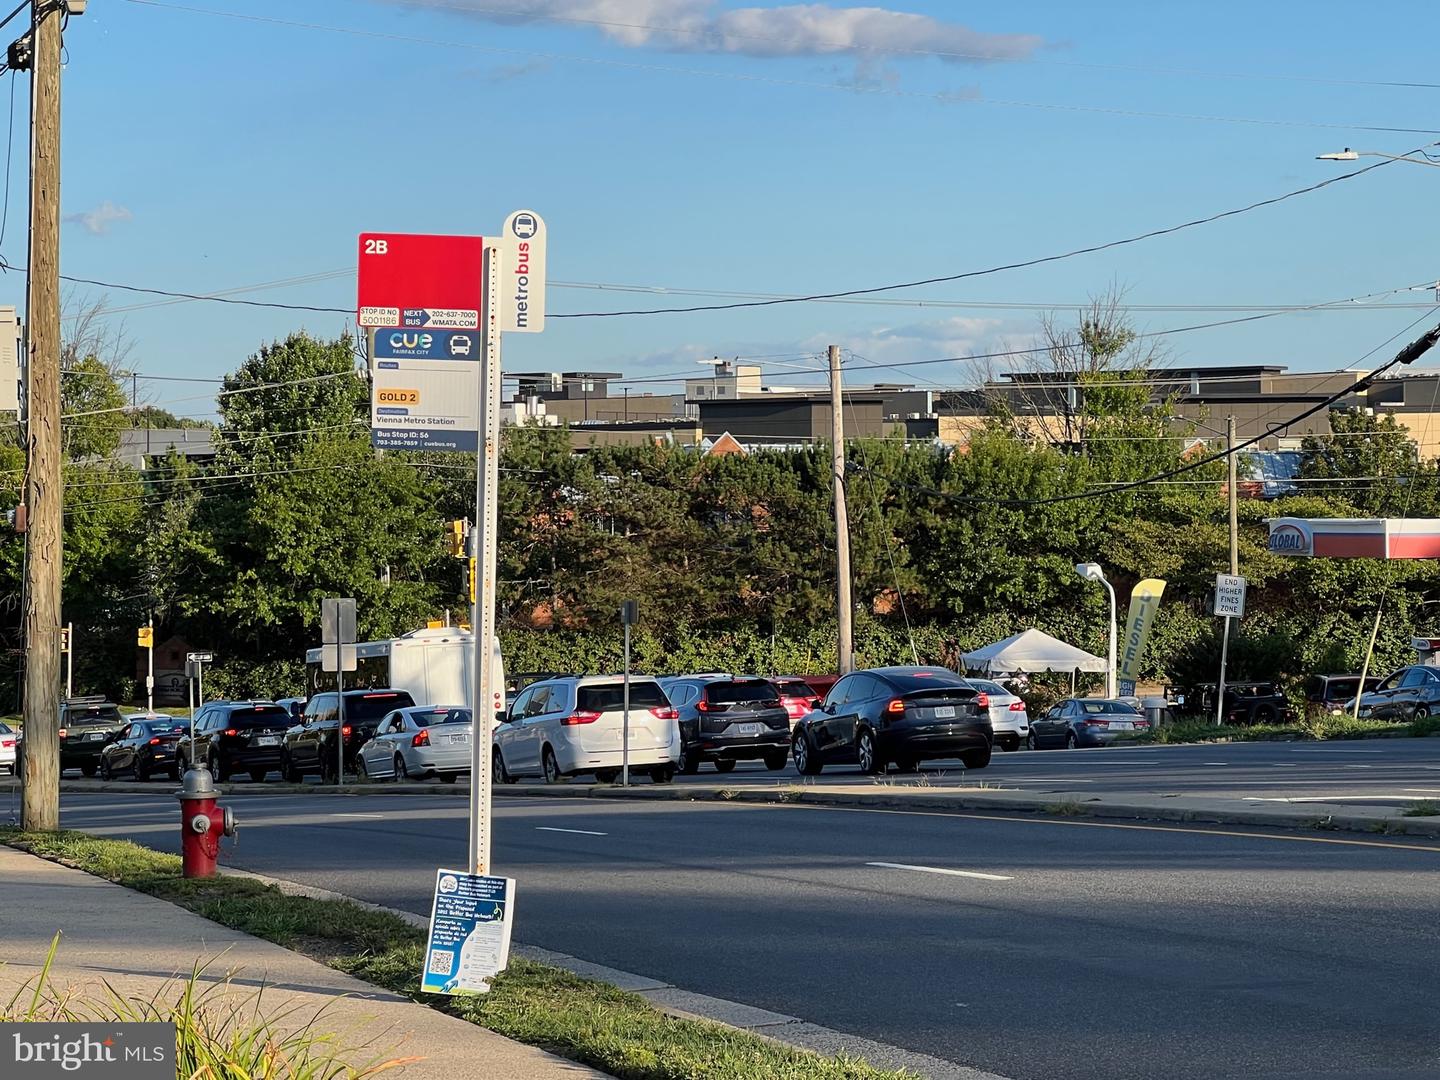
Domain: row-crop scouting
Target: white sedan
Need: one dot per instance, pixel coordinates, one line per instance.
(418, 742)
(1007, 714)
(9, 741)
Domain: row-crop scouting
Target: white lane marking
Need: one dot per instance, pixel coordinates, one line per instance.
(1357, 766)
(1284, 765)
(376, 816)
(1423, 790)
(1336, 751)
(941, 870)
(1217, 763)
(578, 832)
(1329, 798)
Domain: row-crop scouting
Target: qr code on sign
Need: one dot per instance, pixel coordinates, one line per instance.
(441, 963)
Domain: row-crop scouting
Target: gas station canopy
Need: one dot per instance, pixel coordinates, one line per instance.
(1356, 538)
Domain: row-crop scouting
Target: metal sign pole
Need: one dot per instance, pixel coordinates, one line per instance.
(1220, 689)
(487, 476)
(70, 660)
(625, 733)
(340, 716)
(150, 674)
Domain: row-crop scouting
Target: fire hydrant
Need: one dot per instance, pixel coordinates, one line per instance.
(202, 823)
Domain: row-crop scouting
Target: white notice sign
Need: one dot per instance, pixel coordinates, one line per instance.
(1230, 595)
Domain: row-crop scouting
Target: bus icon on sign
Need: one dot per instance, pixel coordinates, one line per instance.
(524, 226)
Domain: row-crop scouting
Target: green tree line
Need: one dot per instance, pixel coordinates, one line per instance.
(732, 558)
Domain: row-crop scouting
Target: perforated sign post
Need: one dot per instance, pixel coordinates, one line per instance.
(337, 654)
(1229, 604)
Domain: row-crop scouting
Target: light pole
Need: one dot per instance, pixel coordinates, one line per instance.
(1092, 572)
(1354, 155)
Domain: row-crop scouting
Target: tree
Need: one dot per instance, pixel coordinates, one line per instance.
(1370, 461)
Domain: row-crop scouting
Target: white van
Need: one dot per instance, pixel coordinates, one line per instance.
(573, 725)
(433, 665)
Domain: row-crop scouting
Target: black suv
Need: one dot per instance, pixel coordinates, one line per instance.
(726, 718)
(236, 736)
(310, 745)
(87, 724)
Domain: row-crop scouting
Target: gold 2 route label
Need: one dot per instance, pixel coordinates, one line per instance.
(390, 395)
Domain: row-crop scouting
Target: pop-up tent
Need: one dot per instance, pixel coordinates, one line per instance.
(1031, 650)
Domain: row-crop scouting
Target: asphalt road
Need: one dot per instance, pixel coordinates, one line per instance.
(1032, 948)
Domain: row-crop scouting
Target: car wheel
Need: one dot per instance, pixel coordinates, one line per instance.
(288, 771)
(866, 754)
(551, 767)
(724, 764)
(607, 776)
(1070, 741)
(498, 773)
(85, 770)
(362, 774)
(776, 761)
(908, 765)
(257, 776)
(140, 773)
(807, 763)
(219, 768)
(976, 759)
(662, 774)
(1030, 743)
(1421, 712)
(402, 774)
(173, 772)
(105, 773)
(327, 769)
(447, 777)
(688, 764)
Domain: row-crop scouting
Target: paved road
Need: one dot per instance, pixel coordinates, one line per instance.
(1089, 950)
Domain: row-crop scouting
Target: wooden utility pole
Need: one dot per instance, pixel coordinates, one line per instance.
(843, 608)
(1234, 497)
(43, 493)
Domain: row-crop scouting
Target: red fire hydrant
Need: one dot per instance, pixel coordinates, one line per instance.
(202, 823)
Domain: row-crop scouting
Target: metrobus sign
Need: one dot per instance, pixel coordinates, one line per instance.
(420, 280)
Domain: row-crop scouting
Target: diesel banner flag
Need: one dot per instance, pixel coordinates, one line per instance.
(1144, 602)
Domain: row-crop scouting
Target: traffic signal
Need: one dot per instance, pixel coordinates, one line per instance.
(64, 639)
(458, 531)
(472, 579)
(145, 637)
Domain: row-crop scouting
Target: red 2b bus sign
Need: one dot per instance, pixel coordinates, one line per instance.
(420, 280)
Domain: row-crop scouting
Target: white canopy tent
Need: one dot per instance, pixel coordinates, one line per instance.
(1032, 650)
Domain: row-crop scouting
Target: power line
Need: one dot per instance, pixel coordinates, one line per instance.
(943, 97)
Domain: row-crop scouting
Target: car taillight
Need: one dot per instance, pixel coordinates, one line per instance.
(579, 718)
(1097, 723)
(665, 712)
(422, 738)
(154, 742)
(895, 706)
(702, 705)
(1017, 706)
(982, 701)
(232, 732)
(345, 731)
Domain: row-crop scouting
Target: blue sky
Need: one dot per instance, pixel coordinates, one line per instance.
(762, 148)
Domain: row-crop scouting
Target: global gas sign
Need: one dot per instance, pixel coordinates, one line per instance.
(1291, 538)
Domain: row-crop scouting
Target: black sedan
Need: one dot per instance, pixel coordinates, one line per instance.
(143, 747)
(1412, 693)
(903, 715)
(1086, 722)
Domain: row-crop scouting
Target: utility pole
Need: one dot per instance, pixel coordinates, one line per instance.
(44, 495)
(1234, 498)
(843, 608)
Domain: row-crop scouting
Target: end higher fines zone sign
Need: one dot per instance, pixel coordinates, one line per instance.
(421, 281)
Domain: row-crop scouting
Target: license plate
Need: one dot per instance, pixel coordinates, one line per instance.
(944, 712)
(1121, 725)
(749, 729)
(459, 739)
(95, 736)
(268, 740)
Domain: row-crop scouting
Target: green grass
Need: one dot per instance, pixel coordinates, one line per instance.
(1318, 727)
(617, 1032)
(219, 1034)
(1422, 808)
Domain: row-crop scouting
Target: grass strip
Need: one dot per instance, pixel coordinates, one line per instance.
(1319, 728)
(586, 1021)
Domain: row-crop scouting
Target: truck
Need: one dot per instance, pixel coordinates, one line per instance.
(433, 665)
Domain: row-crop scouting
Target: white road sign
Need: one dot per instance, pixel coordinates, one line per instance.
(522, 289)
(1230, 595)
(424, 404)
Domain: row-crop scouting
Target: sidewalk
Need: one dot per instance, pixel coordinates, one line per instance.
(137, 944)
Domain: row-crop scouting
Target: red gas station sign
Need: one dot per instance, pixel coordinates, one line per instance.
(420, 280)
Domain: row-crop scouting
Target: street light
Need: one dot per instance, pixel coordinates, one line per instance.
(1355, 155)
(1092, 572)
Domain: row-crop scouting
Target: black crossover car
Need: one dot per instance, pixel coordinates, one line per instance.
(237, 736)
(143, 747)
(903, 715)
(725, 719)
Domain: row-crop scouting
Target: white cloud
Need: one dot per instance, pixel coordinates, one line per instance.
(97, 222)
(701, 26)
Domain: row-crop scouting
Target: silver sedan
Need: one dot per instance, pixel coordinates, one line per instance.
(418, 742)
